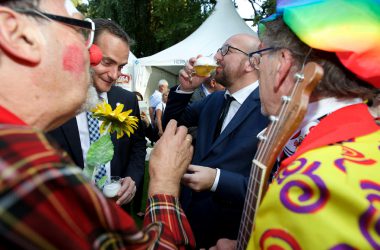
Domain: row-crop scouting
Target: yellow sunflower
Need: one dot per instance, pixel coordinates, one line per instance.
(115, 120)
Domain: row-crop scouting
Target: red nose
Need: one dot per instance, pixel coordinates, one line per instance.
(95, 55)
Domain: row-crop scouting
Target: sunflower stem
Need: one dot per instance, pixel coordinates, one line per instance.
(107, 128)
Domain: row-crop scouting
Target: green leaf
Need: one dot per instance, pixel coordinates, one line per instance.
(88, 171)
(101, 182)
(100, 152)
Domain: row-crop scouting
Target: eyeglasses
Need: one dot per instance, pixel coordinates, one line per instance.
(85, 27)
(254, 60)
(225, 48)
(260, 51)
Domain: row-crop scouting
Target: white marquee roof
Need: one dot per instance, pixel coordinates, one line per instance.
(216, 29)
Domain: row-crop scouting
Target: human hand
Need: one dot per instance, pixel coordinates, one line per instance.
(127, 191)
(169, 160)
(201, 178)
(188, 79)
(224, 244)
(144, 118)
(160, 133)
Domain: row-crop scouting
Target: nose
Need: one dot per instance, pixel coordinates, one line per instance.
(218, 55)
(114, 73)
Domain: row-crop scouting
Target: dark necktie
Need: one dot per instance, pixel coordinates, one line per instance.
(223, 114)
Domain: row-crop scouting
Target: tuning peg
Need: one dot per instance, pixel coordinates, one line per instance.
(273, 118)
(299, 76)
(262, 137)
(286, 98)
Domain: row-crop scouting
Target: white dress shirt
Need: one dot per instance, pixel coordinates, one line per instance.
(240, 96)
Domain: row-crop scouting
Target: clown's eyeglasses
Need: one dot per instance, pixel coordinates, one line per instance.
(84, 27)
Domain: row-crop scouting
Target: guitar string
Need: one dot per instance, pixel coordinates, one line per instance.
(248, 208)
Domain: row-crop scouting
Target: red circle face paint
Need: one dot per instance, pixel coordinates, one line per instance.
(73, 59)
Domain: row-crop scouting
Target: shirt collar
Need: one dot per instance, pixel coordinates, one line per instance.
(205, 90)
(103, 96)
(242, 94)
(320, 108)
(326, 106)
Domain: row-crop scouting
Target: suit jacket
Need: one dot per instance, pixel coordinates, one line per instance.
(215, 215)
(198, 95)
(129, 154)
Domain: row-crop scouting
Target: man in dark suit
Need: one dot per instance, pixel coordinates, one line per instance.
(129, 152)
(216, 182)
(208, 86)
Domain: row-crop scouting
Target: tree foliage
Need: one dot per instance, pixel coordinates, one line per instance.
(262, 9)
(158, 24)
(153, 24)
(173, 21)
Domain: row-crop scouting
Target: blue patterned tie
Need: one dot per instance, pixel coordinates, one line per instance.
(93, 130)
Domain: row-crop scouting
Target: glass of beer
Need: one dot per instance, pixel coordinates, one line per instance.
(112, 187)
(204, 65)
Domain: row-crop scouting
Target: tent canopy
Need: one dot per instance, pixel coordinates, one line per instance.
(217, 28)
(223, 23)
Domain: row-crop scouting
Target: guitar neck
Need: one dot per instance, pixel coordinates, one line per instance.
(253, 197)
(279, 131)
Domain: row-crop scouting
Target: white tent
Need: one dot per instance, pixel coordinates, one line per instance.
(216, 29)
(126, 80)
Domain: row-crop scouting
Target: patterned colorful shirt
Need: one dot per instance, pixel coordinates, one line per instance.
(327, 195)
(45, 203)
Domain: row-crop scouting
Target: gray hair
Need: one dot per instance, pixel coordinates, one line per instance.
(20, 3)
(163, 82)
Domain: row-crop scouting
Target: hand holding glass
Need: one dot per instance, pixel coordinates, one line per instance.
(112, 187)
(204, 65)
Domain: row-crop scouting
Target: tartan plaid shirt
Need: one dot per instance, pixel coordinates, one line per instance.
(45, 203)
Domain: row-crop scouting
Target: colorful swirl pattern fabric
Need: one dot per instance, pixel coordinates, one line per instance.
(351, 29)
(345, 204)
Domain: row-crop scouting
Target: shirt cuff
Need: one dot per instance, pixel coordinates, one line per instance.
(216, 181)
(182, 92)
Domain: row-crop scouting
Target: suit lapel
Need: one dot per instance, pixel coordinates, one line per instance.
(71, 133)
(251, 103)
(205, 141)
(111, 98)
(202, 94)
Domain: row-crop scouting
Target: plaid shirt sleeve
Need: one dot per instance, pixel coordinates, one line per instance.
(46, 204)
(176, 232)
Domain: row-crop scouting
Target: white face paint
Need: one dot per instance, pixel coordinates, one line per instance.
(70, 8)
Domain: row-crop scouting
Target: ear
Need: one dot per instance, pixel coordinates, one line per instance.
(249, 67)
(283, 70)
(17, 38)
